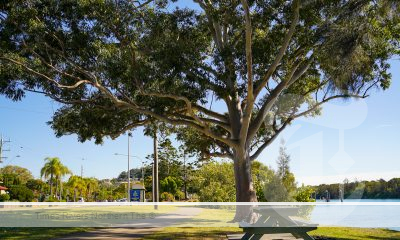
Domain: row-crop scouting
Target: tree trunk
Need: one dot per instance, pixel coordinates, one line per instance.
(61, 190)
(57, 197)
(244, 186)
(51, 185)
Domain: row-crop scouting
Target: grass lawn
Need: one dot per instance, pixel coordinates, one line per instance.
(330, 233)
(356, 233)
(37, 233)
(82, 216)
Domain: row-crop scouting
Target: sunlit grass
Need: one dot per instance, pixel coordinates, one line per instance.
(337, 233)
(37, 233)
(81, 216)
(342, 233)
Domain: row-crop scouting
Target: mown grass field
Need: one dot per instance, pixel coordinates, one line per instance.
(208, 224)
(330, 233)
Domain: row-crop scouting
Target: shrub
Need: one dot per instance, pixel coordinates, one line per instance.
(180, 195)
(4, 197)
(168, 184)
(149, 196)
(304, 193)
(167, 197)
(21, 193)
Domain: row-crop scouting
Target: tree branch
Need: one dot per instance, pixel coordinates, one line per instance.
(219, 155)
(294, 75)
(285, 44)
(327, 100)
(270, 140)
(249, 60)
(30, 70)
(129, 127)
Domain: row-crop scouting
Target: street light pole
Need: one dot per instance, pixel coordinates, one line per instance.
(129, 172)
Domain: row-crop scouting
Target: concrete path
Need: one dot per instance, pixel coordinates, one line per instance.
(165, 220)
(137, 230)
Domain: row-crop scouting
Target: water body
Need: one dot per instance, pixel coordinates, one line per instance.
(380, 214)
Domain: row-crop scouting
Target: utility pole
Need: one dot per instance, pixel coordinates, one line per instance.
(82, 168)
(143, 172)
(2, 142)
(129, 172)
(155, 169)
(184, 174)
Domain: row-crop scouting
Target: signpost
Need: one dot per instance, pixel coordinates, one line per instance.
(135, 195)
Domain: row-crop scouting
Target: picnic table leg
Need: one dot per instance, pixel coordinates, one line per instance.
(257, 236)
(305, 236)
(247, 236)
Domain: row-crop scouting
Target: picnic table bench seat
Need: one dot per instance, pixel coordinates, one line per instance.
(276, 220)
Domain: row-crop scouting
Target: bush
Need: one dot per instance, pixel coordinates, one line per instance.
(167, 197)
(52, 199)
(21, 193)
(180, 195)
(304, 193)
(4, 197)
(149, 196)
(168, 184)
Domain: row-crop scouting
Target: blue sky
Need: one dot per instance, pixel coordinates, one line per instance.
(356, 139)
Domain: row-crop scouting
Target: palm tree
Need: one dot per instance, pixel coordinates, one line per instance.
(91, 186)
(53, 168)
(63, 170)
(77, 183)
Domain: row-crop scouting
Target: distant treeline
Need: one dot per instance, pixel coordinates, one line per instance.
(379, 189)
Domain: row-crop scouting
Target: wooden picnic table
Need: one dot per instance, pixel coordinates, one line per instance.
(274, 220)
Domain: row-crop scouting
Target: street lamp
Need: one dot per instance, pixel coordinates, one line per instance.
(129, 172)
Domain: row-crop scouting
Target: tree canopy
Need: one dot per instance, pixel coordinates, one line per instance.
(21, 173)
(116, 65)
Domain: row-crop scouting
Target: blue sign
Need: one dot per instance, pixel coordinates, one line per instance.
(135, 195)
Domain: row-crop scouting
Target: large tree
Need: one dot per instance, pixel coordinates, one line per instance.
(116, 65)
(22, 174)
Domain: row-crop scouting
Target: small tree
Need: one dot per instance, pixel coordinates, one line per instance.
(77, 184)
(169, 184)
(275, 190)
(21, 193)
(283, 171)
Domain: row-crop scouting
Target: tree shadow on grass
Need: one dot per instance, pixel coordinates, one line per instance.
(192, 233)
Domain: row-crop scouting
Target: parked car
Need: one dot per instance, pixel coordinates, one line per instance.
(81, 199)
